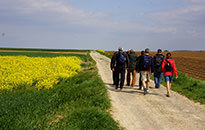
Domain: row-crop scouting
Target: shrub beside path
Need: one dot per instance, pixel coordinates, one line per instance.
(154, 111)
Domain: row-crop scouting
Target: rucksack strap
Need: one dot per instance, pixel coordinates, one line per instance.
(168, 61)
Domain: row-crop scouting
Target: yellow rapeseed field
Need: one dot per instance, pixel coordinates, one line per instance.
(100, 51)
(43, 72)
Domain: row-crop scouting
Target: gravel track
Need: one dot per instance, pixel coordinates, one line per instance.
(154, 111)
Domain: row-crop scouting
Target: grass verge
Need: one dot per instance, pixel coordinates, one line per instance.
(192, 88)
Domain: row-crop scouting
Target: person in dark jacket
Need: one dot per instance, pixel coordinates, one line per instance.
(146, 69)
(157, 62)
(138, 69)
(112, 65)
(132, 67)
(121, 61)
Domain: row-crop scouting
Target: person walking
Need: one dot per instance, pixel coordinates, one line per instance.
(132, 67)
(146, 70)
(139, 69)
(121, 61)
(112, 65)
(157, 62)
(169, 69)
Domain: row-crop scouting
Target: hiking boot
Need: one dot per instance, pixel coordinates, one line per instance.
(156, 85)
(116, 87)
(168, 95)
(145, 91)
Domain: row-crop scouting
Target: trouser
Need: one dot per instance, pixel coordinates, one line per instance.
(145, 77)
(140, 81)
(133, 77)
(158, 79)
(114, 77)
(120, 77)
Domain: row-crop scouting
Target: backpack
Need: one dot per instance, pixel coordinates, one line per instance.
(158, 60)
(121, 58)
(168, 66)
(146, 62)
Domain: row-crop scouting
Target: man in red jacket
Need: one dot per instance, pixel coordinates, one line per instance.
(169, 69)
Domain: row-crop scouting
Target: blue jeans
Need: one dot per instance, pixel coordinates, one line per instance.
(158, 79)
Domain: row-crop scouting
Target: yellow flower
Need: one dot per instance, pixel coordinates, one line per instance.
(18, 71)
(101, 51)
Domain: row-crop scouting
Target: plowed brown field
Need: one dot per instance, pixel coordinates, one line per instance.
(191, 63)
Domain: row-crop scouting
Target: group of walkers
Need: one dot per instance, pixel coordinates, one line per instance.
(145, 65)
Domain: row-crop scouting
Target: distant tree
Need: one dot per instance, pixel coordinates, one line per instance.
(166, 51)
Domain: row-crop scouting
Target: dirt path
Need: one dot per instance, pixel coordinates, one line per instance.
(155, 111)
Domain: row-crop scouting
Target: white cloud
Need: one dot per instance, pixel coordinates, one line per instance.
(49, 8)
(192, 14)
(188, 20)
(58, 13)
(195, 1)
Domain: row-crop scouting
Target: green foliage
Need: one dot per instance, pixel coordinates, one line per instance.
(93, 118)
(190, 87)
(80, 102)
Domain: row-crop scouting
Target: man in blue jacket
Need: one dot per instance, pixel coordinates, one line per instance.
(146, 68)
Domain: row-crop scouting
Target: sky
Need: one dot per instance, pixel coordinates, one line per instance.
(103, 24)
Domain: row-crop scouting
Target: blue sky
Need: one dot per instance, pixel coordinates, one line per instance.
(103, 24)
